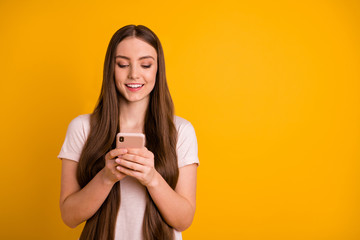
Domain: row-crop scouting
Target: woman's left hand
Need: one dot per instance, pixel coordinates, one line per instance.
(138, 163)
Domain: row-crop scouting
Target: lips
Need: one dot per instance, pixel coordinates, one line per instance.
(134, 86)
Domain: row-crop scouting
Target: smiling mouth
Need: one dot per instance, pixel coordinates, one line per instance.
(134, 87)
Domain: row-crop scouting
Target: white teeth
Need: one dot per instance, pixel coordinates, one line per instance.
(134, 85)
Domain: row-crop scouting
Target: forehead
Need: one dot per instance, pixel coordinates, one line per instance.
(135, 48)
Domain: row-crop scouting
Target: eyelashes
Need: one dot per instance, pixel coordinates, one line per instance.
(124, 66)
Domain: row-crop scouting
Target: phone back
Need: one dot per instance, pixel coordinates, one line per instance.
(130, 140)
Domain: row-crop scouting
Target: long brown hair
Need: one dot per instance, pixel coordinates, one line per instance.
(161, 137)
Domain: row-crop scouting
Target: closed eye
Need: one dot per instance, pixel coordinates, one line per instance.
(124, 66)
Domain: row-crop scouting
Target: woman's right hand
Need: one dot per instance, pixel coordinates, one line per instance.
(110, 174)
(79, 204)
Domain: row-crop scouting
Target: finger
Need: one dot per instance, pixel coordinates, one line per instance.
(133, 151)
(134, 158)
(116, 152)
(117, 174)
(132, 166)
(147, 153)
(141, 151)
(111, 164)
(137, 151)
(127, 171)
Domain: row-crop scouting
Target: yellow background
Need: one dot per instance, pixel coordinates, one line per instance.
(271, 87)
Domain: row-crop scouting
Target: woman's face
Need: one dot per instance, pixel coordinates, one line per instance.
(135, 69)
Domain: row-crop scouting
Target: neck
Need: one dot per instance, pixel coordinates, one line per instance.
(132, 115)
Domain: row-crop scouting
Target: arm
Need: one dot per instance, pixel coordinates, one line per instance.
(76, 204)
(177, 207)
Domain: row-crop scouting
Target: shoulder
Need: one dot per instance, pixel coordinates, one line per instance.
(81, 122)
(81, 119)
(75, 138)
(79, 127)
(182, 124)
(186, 146)
(185, 129)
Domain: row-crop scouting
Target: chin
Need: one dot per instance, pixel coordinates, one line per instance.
(136, 99)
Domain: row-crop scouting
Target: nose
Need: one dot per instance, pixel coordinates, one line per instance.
(133, 73)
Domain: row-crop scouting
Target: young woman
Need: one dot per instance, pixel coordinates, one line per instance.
(135, 193)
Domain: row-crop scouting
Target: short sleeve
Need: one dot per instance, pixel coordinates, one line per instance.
(75, 138)
(187, 147)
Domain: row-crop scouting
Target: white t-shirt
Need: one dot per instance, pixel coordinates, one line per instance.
(133, 194)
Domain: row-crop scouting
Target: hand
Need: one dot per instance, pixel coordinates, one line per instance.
(111, 175)
(138, 163)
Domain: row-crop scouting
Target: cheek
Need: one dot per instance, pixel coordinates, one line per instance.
(116, 75)
(119, 76)
(152, 77)
(152, 74)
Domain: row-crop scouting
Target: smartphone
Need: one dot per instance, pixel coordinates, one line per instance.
(130, 140)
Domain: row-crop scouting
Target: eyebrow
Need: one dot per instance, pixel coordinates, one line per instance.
(140, 58)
